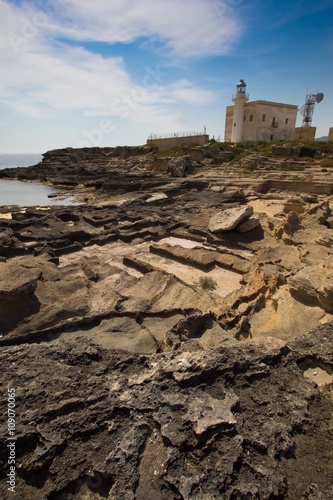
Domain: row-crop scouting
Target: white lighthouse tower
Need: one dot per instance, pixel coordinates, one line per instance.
(240, 98)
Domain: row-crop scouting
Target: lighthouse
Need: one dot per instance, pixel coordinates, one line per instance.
(240, 98)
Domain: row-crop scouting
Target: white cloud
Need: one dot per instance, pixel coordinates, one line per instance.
(39, 77)
(45, 75)
(186, 28)
(185, 91)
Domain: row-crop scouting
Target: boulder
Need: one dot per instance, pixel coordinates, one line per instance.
(248, 225)
(229, 219)
(178, 166)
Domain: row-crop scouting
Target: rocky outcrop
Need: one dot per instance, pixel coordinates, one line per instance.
(226, 423)
(157, 355)
(314, 285)
(9, 243)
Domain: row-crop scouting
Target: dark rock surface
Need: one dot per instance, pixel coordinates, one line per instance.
(103, 168)
(223, 423)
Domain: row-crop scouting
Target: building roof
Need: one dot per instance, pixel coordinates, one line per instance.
(271, 103)
(268, 103)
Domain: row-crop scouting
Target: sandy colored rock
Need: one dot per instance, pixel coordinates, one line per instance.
(229, 219)
(157, 197)
(314, 286)
(248, 225)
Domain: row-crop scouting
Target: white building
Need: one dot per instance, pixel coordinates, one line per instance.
(258, 120)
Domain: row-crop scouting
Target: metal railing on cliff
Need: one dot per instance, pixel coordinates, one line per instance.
(190, 133)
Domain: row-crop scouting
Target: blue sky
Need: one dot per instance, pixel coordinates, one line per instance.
(111, 72)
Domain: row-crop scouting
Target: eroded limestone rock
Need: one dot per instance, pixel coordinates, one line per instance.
(229, 219)
(314, 286)
(248, 225)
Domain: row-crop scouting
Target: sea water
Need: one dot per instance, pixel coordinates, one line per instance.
(19, 160)
(21, 193)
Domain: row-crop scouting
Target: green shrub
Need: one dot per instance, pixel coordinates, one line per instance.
(175, 151)
(307, 158)
(223, 146)
(240, 156)
(254, 145)
(208, 153)
(207, 283)
(291, 168)
(217, 160)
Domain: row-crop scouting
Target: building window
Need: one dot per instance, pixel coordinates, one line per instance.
(287, 120)
(263, 118)
(271, 137)
(234, 124)
(251, 118)
(244, 117)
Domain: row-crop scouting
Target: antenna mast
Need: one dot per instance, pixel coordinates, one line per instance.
(308, 108)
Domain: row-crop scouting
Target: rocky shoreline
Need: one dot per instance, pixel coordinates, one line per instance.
(171, 337)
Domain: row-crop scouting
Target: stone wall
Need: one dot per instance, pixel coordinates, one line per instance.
(330, 134)
(229, 122)
(269, 121)
(305, 133)
(172, 142)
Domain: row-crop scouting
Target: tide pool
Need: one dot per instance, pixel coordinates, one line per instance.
(27, 194)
